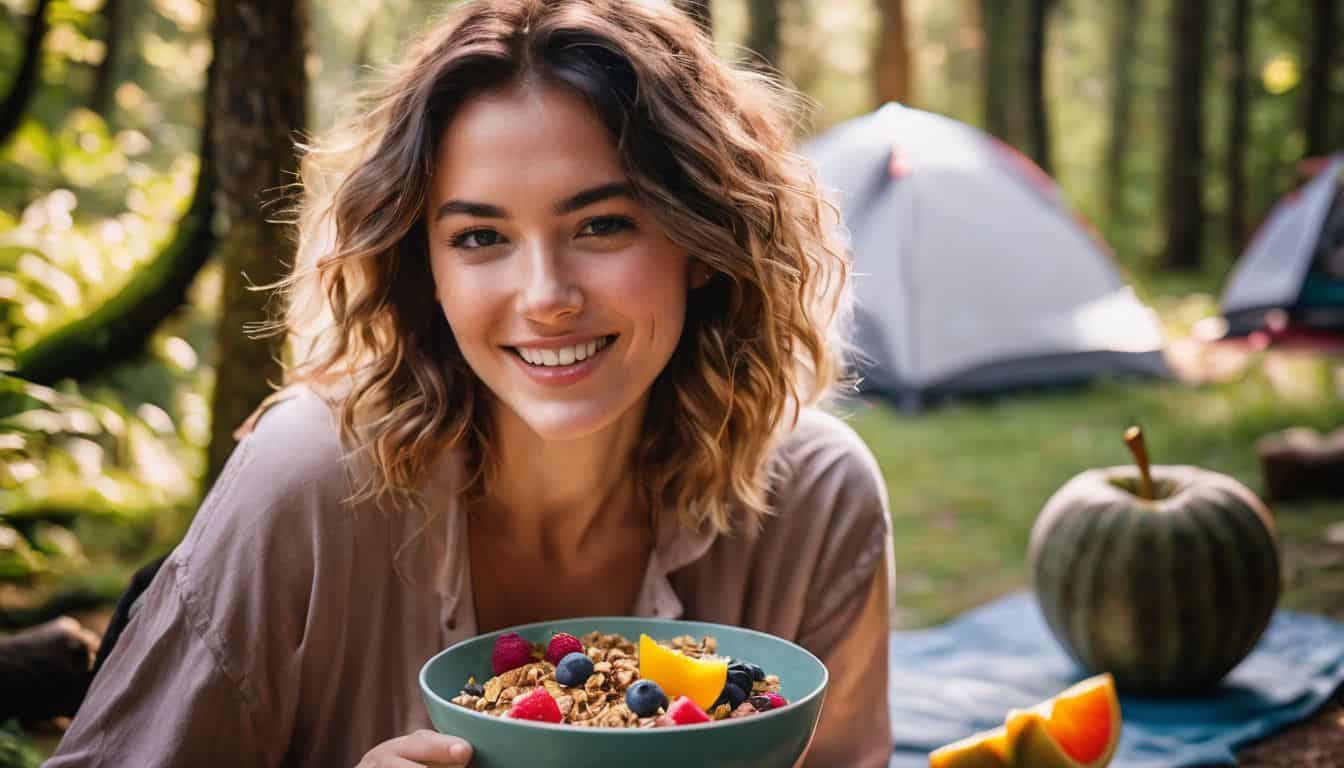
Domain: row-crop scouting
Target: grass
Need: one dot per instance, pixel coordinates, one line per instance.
(967, 480)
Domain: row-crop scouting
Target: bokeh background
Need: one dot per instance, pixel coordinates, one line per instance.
(121, 311)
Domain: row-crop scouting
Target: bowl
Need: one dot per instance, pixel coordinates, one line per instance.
(776, 738)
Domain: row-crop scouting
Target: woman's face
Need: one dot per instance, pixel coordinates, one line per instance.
(565, 295)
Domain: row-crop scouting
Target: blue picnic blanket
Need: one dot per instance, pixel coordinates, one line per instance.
(951, 681)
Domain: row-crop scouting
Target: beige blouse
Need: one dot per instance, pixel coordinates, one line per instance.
(288, 627)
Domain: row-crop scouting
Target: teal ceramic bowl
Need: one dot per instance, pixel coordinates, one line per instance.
(773, 739)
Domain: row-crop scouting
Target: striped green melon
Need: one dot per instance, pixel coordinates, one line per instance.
(1167, 594)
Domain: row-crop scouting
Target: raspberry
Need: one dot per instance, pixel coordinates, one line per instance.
(511, 652)
(537, 705)
(776, 701)
(686, 712)
(561, 645)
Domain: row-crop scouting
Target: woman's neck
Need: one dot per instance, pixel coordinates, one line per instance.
(548, 496)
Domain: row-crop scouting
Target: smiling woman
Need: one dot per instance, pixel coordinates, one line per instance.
(564, 306)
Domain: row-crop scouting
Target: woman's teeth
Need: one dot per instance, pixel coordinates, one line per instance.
(562, 355)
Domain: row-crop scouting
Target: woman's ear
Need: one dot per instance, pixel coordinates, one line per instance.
(699, 274)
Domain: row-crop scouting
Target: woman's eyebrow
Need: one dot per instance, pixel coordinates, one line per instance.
(569, 205)
(483, 210)
(594, 195)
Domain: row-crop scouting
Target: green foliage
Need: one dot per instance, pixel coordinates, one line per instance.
(967, 481)
(98, 475)
(15, 749)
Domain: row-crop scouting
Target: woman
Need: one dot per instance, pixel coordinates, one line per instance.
(563, 302)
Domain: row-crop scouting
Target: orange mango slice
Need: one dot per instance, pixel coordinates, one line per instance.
(988, 749)
(700, 680)
(1078, 728)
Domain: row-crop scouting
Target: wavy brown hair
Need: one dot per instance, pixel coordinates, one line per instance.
(706, 146)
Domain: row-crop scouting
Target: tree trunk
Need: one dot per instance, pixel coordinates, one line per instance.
(30, 73)
(895, 65)
(1320, 40)
(1014, 74)
(1004, 71)
(763, 34)
(105, 79)
(1185, 130)
(1239, 99)
(260, 105)
(1038, 125)
(999, 61)
(701, 11)
(1127, 16)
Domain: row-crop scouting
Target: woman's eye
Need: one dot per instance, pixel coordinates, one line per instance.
(477, 238)
(605, 226)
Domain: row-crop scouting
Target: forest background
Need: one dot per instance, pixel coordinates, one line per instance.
(134, 177)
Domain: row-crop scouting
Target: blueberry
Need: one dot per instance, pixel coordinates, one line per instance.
(644, 698)
(732, 695)
(760, 703)
(573, 669)
(755, 672)
(741, 678)
(474, 689)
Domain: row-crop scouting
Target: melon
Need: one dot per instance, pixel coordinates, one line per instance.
(1077, 728)
(1164, 576)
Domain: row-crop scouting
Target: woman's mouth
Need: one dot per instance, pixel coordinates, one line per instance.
(561, 366)
(559, 357)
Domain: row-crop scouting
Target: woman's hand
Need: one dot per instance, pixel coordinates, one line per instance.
(422, 749)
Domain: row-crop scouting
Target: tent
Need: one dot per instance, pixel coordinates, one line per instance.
(1295, 262)
(971, 275)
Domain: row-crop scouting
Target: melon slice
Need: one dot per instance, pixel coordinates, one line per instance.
(1078, 728)
(700, 680)
(988, 749)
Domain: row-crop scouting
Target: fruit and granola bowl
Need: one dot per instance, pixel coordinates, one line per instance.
(626, 691)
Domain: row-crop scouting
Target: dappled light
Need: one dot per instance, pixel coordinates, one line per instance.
(1045, 240)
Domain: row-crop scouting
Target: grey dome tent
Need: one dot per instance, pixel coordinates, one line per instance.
(1295, 261)
(971, 275)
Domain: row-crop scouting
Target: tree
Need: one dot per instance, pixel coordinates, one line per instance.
(1320, 41)
(24, 87)
(895, 71)
(1238, 112)
(1014, 74)
(1038, 127)
(701, 11)
(763, 33)
(1182, 200)
(118, 328)
(260, 106)
(105, 79)
(1125, 20)
(1004, 66)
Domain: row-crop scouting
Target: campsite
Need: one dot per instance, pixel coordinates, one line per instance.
(1062, 219)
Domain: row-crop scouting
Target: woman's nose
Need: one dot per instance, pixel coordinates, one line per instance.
(548, 292)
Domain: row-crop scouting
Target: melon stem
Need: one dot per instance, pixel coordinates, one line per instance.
(1134, 439)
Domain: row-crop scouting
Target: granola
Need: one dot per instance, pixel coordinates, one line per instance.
(602, 677)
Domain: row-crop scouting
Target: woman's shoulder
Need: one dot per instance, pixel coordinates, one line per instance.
(826, 484)
(285, 478)
(822, 453)
(295, 437)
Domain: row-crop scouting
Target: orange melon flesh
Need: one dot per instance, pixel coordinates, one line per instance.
(1078, 728)
(700, 680)
(983, 750)
(1084, 718)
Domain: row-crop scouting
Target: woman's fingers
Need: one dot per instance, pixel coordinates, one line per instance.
(389, 761)
(434, 749)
